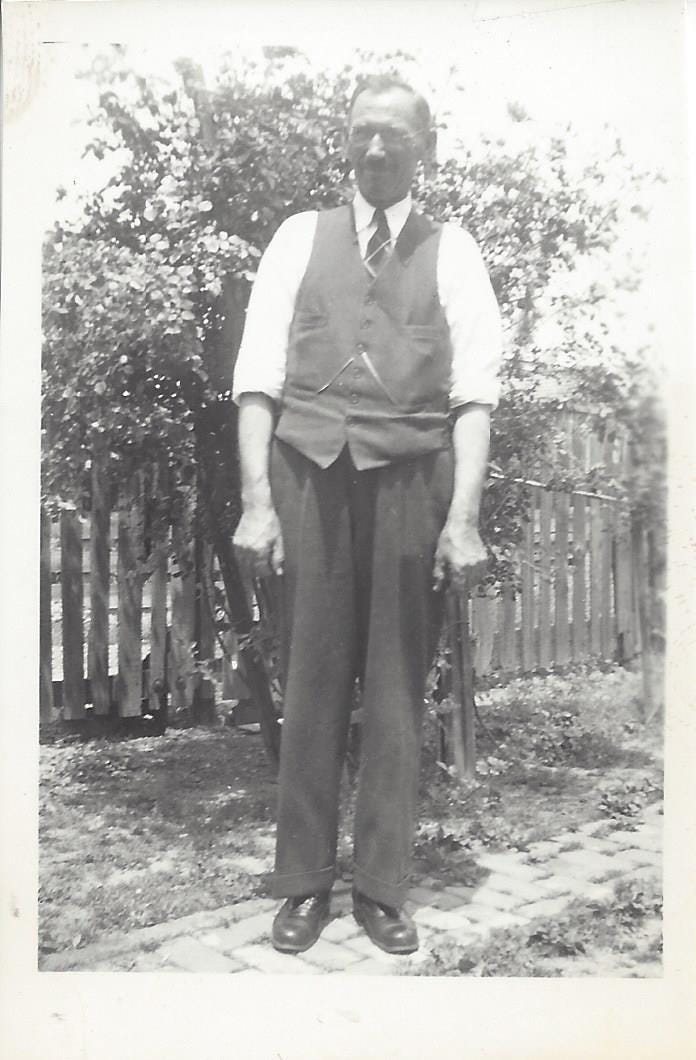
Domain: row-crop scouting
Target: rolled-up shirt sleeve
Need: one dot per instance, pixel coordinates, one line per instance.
(261, 361)
(473, 318)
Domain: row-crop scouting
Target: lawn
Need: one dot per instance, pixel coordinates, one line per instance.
(136, 831)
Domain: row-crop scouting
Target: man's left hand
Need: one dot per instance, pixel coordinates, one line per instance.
(460, 557)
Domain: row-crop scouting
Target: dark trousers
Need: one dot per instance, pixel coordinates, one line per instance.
(357, 602)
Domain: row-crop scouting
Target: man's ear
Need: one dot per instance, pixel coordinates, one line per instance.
(428, 145)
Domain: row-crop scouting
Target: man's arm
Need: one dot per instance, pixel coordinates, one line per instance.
(258, 539)
(460, 556)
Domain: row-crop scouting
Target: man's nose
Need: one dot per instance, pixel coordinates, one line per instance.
(375, 148)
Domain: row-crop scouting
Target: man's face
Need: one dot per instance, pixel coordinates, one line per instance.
(385, 142)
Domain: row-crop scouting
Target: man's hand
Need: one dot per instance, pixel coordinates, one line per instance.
(459, 557)
(259, 542)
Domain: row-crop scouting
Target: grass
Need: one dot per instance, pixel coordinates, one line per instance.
(138, 831)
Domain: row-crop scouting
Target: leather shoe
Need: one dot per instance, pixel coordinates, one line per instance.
(389, 928)
(300, 921)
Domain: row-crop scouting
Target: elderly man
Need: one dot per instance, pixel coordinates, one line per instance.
(365, 381)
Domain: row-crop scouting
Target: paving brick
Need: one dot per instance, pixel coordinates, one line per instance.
(567, 838)
(559, 884)
(366, 948)
(147, 962)
(370, 966)
(422, 895)
(586, 863)
(266, 959)
(622, 839)
(592, 827)
(440, 919)
(192, 956)
(459, 891)
(600, 846)
(626, 860)
(342, 903)
(476, 914)
(547, 907)
(445, 900)
(497, 899)
(331, 957)
(510, 865)
(498, 920)
(339, 929)
(649, 839)
(520, 889)
(547, 848)
(239, 934)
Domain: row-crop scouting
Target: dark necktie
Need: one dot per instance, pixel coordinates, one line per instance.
(379, 244)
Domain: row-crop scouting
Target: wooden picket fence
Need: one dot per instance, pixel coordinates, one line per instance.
(124, 632)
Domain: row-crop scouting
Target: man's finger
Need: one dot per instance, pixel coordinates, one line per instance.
(438, 572)
(278, 556)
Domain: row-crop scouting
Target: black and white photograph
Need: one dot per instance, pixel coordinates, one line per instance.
(359, 599)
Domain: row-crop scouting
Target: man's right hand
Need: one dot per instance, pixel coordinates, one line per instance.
(259, 542)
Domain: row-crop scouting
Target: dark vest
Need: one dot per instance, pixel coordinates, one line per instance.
(369, 359)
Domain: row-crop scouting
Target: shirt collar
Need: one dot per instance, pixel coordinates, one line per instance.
(396, 215)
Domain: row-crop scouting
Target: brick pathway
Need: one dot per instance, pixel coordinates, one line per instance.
(517, 888)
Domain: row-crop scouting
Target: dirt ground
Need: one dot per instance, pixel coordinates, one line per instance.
(136, 831)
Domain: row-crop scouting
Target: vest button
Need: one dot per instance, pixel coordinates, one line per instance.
(370, 298)
(365, 323)
(361, 347)
(353, 399)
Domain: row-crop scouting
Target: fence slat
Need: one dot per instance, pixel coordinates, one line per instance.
(508, 647)
(596, 596)
(527, 580)
(130, 602)
(73, 625)
(607, 621)
(98, 639)
(183, 607)
(45, 624)
(545, 651)
(561, 625)
(484, 623)
(579, 604)
(205, 628)
(158, 597)
(623, 592)
(158, 619)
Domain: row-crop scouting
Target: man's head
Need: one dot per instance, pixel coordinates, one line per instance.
(388, 130)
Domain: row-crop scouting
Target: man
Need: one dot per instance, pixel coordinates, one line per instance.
(365, 381)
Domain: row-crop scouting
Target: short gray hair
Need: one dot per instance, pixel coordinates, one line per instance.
(376, 84)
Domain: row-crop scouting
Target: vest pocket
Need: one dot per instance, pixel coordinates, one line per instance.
(423, 379)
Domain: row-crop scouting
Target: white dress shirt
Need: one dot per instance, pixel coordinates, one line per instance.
(463, 285)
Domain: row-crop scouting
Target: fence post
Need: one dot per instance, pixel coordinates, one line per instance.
(183, 596)
(130, 602)
(562, 644)
(158, 594)
(463, 728)
(579, 606)
(545, 580)
(98, 638)
(73, 623)
(45, 624)
(527, 578)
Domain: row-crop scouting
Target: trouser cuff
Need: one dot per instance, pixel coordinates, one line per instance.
(297, 884)
(393, 894)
